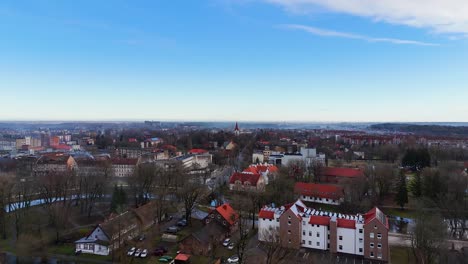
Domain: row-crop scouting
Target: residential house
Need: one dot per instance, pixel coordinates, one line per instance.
(246, 181)
(336, 175)
(219, 224)
(319, 193)
(116, 230)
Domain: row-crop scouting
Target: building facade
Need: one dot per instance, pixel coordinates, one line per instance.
(297, 226)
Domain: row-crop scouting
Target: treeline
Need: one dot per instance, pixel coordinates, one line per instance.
(434, 130)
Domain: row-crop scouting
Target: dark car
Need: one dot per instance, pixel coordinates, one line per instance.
(160, 251)
(172, 229)
(142, 237)
(182, 222)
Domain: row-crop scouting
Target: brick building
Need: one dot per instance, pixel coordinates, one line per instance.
(297, 226)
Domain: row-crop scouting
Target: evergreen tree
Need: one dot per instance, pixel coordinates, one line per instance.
(402, 193)
(119, 198)
(115, 199)
(416, 185)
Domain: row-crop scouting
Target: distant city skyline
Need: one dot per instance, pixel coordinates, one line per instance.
(234, 60)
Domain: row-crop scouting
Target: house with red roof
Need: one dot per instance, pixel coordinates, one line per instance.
(246, 181)
(336, 175)
(298, 226)
(220, 223)
(319, 193)
(267, 171)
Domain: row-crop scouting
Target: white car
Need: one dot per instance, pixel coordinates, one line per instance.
(233, 259)
(144, 253)
(131, 251)
(231, 246)
(226, 242)
(138, 252)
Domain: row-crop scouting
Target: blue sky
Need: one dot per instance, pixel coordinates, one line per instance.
(246, 60)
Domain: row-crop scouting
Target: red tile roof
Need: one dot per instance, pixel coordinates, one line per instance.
(375, 213)
(228, 213)
(343, 172)
(259, 168)
(319, 220)
(266, 214)
(319, 190)
(346, 223)
(244, 177)
(182, 257)
(197, 151)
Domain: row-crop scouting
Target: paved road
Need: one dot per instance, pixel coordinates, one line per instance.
(403, 240)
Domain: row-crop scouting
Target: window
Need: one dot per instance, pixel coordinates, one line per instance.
(379, 245)
(303, 222)
(289, 222)
(379, 235)
(277, 220)
(326, 200)
(310, 233)
(375, 227)
(328, 245)
(372, 254)
(318, 244)
(328, 236)
(289, 232)
(303, 233)
(360, 250)
(318, 234)
(340, 238)
(340, 247)
(289, 241)
(372, 245)
(379, 255)
(310, 242)
(360, 231)
(371, 235)
(303, 242)
(360, 240)
(271, 220)
(289, 217)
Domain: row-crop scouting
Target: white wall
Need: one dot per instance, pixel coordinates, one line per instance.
(257, 155)
(359, 236)
(348, 241)
(264, 225)
(309, 235)
(320, 200)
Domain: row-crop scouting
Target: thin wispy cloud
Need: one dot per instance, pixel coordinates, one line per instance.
(438, 16)
(337, 34)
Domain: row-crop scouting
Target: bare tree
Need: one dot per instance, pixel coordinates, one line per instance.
(427, 238)
(190, 193)
(271, 244)
(6, 183)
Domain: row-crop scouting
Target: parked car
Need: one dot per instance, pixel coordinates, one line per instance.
(168, 257)
(231, 246)
(226, 242)
(144, 253)
(131, 251)
(233, 259)
(138, 252)
(142, 237)
(160, 251)
(182, 222)
(164, 260)
(172, 229)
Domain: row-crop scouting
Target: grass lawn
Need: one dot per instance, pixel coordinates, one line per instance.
(398, 212)
(64, 249)
(199, 260)
(401, 255)
(6, 246)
